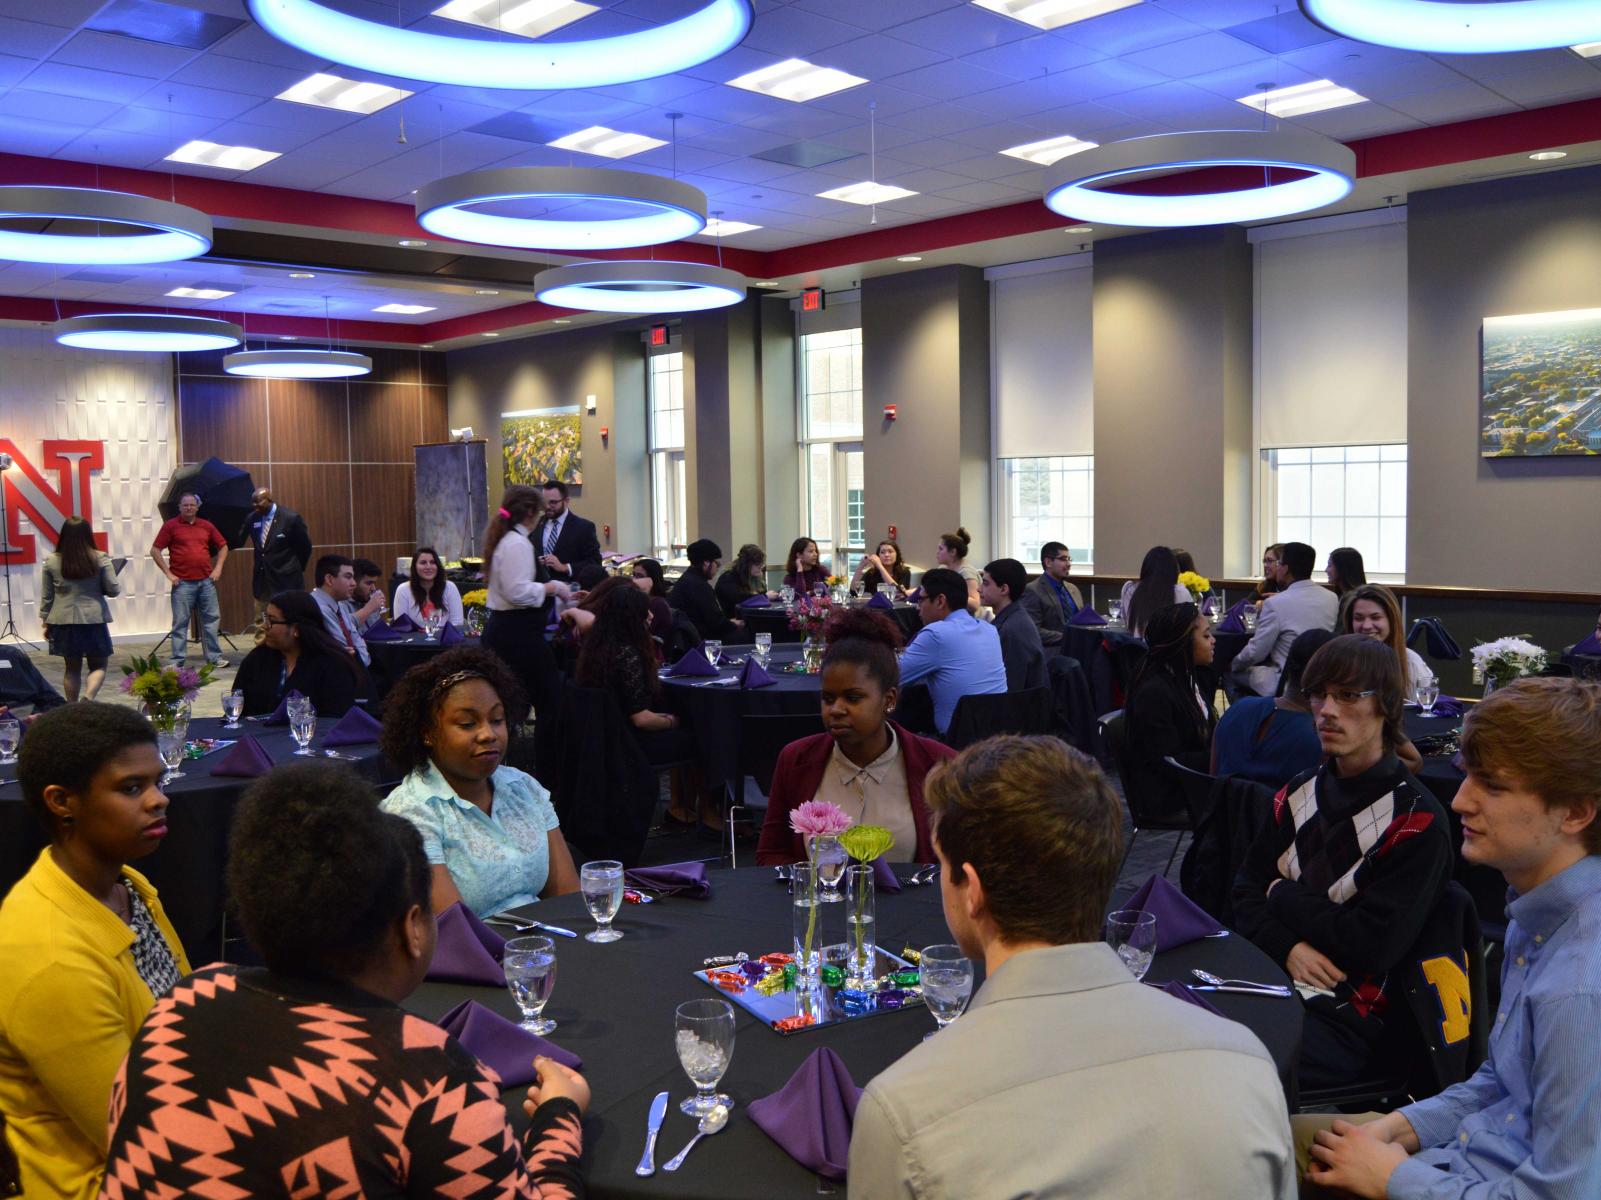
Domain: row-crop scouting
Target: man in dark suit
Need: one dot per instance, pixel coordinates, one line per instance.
(283, 548)
(563, 540)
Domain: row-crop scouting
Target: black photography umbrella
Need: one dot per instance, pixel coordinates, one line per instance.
(224, 493)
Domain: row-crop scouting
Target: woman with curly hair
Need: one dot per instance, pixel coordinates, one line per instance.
(864, 762)
(883, 565)
(803, 569)
(489, 832)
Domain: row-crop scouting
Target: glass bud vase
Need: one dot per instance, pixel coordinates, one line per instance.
(812, 655)
(805, 920)
(861, 944)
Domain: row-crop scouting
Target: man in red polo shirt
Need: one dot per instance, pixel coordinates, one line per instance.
(189, 541)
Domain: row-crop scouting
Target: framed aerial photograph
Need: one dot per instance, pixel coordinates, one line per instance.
(542, 443)
(1540, 384)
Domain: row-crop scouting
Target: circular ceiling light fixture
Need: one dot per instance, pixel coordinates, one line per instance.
(712, 29)
(160, 332)
(297, 364)
(1070, 188)
(141, 228)
(640, 287)
(609, 209)
(1458, 27)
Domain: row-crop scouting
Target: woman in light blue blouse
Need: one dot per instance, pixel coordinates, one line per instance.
(489, 832)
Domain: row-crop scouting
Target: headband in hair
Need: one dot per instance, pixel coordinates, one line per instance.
(505, 514)
(451, 680)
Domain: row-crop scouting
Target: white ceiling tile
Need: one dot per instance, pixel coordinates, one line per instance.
(1180, 106)
(1462, 102)
(66, 110)
(855, 100)
(197, 101)
(92, 85)
(254, 44)
(749, 170)
(1233, 82)
(934, 152)
(1033, 56)
(89, 48)
(964, 29)
(69, 13)
(236, 75)
(741, 60)
(879, 14)
(1492, 66)
(879, 56)
(174, 127)
(1547, 85)
(790, 33)
(1357, 121)
(988, 193)
(1196, 55)
(1131, 30)
(30, 39)
(1220, 14)
(951, 80)
(22, 135)
(938, 120)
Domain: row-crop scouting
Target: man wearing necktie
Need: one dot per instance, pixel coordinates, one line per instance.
(563, 541)
(282, 547)
(336, 583)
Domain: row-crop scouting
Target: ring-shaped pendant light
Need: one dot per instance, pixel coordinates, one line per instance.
(640, 287)
(173, 231)
(297, 364)
(1451, 27)
(320, 31)
(159, 332)
(1070, 183)
(655, 209)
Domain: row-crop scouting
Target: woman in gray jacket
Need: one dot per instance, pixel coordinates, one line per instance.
(73, 610)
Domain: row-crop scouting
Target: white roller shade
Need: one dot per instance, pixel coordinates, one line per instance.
(1040, 355)
(1331, 346)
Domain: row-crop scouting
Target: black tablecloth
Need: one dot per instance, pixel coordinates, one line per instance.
(712, 713)
(1442, 777)
(1224, 648)
(775, 620)
(614, 1008)
(187, 868)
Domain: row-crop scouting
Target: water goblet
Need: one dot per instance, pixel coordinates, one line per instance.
(170, 745)
(1427, 694)
(1114, 612)
(296, 703)
(303, 726)
(10, 736)
(602, 885)
(829, 857)
(703, 1034)
(887, 590)
(430, 623)
(713, 650)
(947, 978)
(530, 966)
(233, 703)
(1248, 618)
(787, 595)
(181, 717)
(1132, 934)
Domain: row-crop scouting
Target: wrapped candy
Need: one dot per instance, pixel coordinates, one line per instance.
(722, 960)
(891, 998)
(854, 1001)
(790, 1024)
(915, 957)
(777, 959)
(771, 985)
(632, 897)
(754, 970)
(789, 976)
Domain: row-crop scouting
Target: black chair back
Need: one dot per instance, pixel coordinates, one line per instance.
(605, 791)
(1073, 718)
(978, 717)
(1196, 787)
(683, 638)
(915, 710)
(763, 738)
(1127, 653)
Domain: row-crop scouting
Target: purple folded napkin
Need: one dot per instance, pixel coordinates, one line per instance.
(1086, 616)
(280, 715)
(1447, 706)
(754, 675)
(673, 879)
(449, 635)
(1590, 645)
(355, 728)
(504, 1047)
(245, 759)
(693, 663)
(880, 601)
(811, 1116)
(467, 951)
(759, 601)
(1179, 920)
(1179, 992)
(1233, 621)
(883, 878)
(915, 596)
(403, 624)
(383, 633)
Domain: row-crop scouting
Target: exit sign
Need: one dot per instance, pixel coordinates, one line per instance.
(658, 335)
(813, 299)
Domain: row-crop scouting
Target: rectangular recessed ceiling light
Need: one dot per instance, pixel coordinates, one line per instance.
(865, 193)
(531, 19)
(346, 95)
(717, 227)
(1048, 151)
(796, 79)
(1302, 98)
(607, 143)
(1588, 49)
(188, 293)
(1053, 14)
(410, 310)
(228, 158)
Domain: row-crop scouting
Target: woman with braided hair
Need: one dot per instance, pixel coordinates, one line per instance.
(1167, 714)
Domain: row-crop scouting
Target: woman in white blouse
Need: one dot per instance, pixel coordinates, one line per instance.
(1157, 587)
(428, 591)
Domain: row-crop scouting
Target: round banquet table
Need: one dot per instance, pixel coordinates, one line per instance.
(775, 620)
(187, 868)
(614, 1005)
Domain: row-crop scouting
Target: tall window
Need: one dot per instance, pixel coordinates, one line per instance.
(1333, 496)
(1048, 500)
(669, 517)
(834, 496)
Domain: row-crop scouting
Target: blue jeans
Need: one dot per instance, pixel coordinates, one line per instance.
(186, 595)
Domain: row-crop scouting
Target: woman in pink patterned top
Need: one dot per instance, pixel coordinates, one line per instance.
(307, 1078)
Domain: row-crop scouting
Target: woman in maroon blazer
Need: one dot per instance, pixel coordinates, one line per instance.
(864, 762)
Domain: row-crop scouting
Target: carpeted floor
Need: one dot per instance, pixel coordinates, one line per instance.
(209, 702)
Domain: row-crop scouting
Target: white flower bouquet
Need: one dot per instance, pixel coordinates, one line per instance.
(1508, 658)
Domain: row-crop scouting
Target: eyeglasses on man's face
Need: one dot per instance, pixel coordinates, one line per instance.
(1342, 696)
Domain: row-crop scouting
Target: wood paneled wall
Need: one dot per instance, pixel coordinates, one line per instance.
(337, 452)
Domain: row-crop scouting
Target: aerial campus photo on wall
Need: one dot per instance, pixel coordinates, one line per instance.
(1540, 384)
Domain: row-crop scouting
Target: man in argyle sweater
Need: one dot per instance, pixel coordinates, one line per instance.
(1340, 887)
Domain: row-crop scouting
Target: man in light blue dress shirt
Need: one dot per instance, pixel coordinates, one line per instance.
(1528, 1123)
(955, 652)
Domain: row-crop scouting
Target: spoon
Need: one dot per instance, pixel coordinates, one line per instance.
(1269, 989)
(711, 1123)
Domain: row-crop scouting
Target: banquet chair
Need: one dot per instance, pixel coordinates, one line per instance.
(1146, 813)
(1073, 719)
(915, 710)
(978, 717)
(762, 739)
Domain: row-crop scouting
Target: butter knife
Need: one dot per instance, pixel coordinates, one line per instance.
(524, 924)
(1267, 990)
(658, 1110)
(556, 929)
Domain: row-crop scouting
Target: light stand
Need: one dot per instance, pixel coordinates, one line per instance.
(9, 629)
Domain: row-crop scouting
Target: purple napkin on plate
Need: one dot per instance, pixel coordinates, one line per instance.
(883, 878)
(880, 601)
(1233, 621)
(403, 624)
(245, 759)
(754, 675)
(383, 633)
(693, 663)
(1086, 616)
(1179, 920)
(1447, 706)
(468, 951)
(501, 1045)
(280, 715)
(1179, 992)
(811, 1116)
(758, 601)
(1590, 645)
(673, 879)
(355, 728)
(449, 635)
(915, 596)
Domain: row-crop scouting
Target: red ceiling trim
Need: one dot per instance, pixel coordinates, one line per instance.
(42, 311)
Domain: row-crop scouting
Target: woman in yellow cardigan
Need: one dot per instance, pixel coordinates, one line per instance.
(85, 945)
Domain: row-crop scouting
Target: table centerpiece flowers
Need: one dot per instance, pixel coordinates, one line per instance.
(1196, 584)
(1506, 659)
(864, 843)
(809, 615)
(164, 690)
(820, 825)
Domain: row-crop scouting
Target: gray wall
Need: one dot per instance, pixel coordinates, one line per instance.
(1172, 346)
(1495, 249)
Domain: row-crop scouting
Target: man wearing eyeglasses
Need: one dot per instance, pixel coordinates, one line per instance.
(1051, 601)
(1344, 887)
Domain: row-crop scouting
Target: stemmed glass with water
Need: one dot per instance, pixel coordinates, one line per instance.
(1427, 693)
(233, 703)
(1132, 934)
(170, 745)
(787, 595)
(530, 966)
(602, 885)
(10, 737)
(946, 975)
(303, 725)
(713, 650)
(764, 649)
(830, 858)
(1114, 612)
(703, 1034)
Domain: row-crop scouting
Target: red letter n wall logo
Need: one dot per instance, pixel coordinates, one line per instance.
(47, 507)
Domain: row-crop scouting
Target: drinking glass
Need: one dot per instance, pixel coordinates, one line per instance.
(887, 590)
(830, 858)
(703, 1034)
(530, 966)
(170, 745)
(712, 649)
(296, 703)
(861, 943)
(947, 978)
(1132, 934)
(787, 595)
(602, 885)
(430, 623)
(10, 735)
(1428, 693)
(1114, 612)
(1248, 616)
(806, 920)
(181, 718)
(233, 703)
(303, 725)
(764, 642)
(475, 622)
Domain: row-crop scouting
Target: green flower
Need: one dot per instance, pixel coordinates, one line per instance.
(864, 843)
